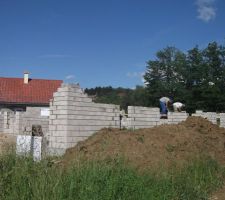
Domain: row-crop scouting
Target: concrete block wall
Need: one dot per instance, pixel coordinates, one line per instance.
(211, 116)
(32, 116)
(222, 120)
(74, 117)
(21, 122)
(8, 122)
(1, 122)
(143, 117)
(177, 117)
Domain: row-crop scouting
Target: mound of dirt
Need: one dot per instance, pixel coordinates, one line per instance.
(164, 145)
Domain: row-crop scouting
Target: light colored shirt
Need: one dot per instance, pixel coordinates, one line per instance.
(177, 105)
(164, 99)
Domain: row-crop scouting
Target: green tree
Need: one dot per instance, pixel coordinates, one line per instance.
(194, 79)
(165, 76)
(212, 87)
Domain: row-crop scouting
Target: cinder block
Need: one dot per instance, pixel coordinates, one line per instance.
(61, 103)
(52, 139)
(151, 115)
(139, 108)
(81, 133)
(198, 111)
(222, 115)
(62, 139)
(52, 127)
(66, 89)
(86, 117)
(143, 123)
(150, 119)
(69, 94)
(59, 145)
(90, 113)
(88, 122)
(60, 112)
(144, 112)
(103, 105)
(79, 128)
(55, 151)
(78, 139)
(73, 99)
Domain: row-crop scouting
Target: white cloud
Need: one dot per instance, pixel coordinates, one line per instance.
(206, 10)
(69, 77)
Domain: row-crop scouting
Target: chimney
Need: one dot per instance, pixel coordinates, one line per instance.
(26, 77)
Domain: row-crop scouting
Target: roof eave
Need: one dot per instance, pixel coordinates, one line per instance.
(23, 103)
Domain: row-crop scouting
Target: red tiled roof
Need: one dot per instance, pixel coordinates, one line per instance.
(37, 91)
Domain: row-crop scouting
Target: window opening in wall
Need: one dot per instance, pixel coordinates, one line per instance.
(37, 130)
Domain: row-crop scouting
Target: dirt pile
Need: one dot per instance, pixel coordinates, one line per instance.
(163, 145)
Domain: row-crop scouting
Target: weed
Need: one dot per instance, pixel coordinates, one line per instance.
(170, 148)
(140, 139)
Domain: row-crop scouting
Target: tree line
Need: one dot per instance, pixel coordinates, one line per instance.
(120, 96)
(195, 77)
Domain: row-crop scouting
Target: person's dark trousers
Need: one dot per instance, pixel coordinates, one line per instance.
(163, 108)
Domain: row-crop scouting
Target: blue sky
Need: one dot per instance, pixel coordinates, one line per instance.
(101, 42)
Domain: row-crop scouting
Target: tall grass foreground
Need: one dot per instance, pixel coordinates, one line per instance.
(21, 178)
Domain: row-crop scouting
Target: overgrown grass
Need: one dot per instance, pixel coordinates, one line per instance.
(21, 178)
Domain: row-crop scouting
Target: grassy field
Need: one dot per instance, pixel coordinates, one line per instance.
(21, 178)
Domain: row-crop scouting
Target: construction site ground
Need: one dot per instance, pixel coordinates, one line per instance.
(163, 145)
(151, 148)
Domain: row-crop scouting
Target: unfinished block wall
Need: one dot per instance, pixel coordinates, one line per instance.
(211, 116)
(145, 117)
(222, 120)
(1, 122)
(74, 117)
(8, 122)
(22, 122)
(31, 117)
(177, 117)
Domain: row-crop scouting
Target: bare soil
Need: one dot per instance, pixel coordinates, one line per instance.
(219, 195)
(7, 141)
(165, 145)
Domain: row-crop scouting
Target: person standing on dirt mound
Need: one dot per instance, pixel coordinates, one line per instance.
(164, 103)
